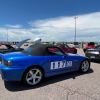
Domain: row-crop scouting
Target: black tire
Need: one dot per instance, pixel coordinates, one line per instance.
(85, 66)
(28, 74)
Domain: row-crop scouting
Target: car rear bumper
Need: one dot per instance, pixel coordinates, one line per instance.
(11, 73)
(93, 56)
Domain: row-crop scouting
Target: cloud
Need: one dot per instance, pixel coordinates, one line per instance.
(13, 26)
(62, 28)
(57, 29)
(16, 34)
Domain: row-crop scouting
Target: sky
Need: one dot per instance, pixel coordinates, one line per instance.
(51, 20)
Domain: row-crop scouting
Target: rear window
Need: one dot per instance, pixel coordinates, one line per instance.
(91, 43)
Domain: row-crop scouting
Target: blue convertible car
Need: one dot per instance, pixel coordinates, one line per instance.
(38, 61)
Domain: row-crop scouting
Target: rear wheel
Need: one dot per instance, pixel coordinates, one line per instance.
(85, 66)
(33, 76)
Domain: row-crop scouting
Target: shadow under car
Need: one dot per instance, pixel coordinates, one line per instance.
(18, 86)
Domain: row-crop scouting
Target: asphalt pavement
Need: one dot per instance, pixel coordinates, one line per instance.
(71, 86)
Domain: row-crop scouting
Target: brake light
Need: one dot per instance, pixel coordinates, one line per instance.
(7, 63)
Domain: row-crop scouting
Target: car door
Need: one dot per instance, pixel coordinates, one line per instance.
(72, 63)
(58, 62)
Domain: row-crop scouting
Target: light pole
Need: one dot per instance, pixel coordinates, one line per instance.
(75, 28)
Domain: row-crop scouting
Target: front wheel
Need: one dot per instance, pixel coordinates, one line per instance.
(33, 76)
(85, 66)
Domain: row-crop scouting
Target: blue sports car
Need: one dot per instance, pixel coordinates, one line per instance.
(38, 61)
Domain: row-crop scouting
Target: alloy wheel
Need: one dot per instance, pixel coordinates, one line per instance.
(33, 76)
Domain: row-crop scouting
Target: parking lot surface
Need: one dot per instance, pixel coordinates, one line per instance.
(71, 86)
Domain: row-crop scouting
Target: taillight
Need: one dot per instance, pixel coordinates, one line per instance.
(7, 63)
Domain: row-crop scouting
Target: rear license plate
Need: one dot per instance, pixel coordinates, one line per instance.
(92, 57)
